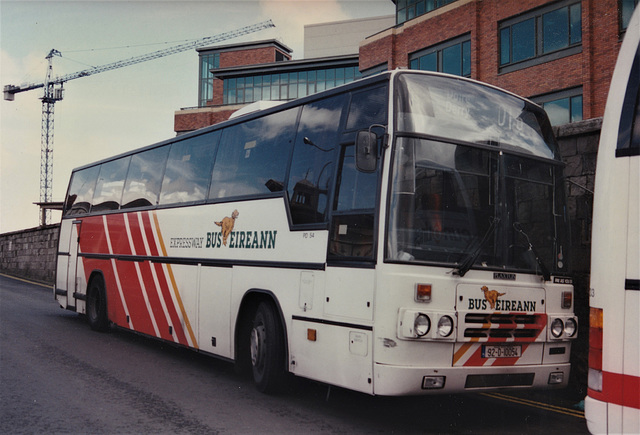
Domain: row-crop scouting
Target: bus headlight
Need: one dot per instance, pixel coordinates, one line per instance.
(445, 326)
(421, 325)
(557, 327)
(425, 325)
(570, 327)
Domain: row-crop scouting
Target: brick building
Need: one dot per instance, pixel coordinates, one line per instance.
(560, 54)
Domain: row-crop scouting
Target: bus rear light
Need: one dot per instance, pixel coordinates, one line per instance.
(423, 292)
(596, 318)
(595, 341)
(567, 299)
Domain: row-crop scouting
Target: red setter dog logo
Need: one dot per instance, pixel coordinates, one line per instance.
(491, 295)
(226, 226)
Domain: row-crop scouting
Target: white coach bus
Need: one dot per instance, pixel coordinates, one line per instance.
(402, 234)
(613, 401)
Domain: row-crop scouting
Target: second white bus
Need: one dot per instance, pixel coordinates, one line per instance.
(613, 401)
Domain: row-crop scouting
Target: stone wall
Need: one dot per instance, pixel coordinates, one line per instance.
(30, 253)
(578, 144)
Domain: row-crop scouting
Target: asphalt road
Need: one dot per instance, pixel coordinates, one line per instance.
(58, 376)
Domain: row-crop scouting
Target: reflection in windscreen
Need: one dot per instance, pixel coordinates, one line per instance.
(470, 112)
(450, 201)
(442, 200)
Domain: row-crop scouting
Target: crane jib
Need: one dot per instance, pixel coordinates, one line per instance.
(10, 90)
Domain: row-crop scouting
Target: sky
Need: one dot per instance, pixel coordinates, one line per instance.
(115, 111)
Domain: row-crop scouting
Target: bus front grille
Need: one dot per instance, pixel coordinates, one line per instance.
(517, 327)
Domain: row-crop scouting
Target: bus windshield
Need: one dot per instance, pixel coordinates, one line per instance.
(475, 180)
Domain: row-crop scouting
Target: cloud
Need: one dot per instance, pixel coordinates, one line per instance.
(290, 17)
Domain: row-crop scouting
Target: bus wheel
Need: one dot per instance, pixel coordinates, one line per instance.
(266, 344)
(97, 305)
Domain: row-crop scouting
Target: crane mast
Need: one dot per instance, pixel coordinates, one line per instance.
(53, 91)
(51, 95)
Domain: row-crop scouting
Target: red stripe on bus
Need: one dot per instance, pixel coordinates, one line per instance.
(173, 311)
(92, 236)
(148, 230)
(154, 298)
(119, 244)
(136, 235)
(619, 389)
(150, 284)
(134, 298)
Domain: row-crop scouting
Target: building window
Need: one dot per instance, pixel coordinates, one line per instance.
(375, 70)
(452, 57)
(626, 10)
(541, 35)
(286, 86)
(205, 83)
(409, 9)
(562, 107)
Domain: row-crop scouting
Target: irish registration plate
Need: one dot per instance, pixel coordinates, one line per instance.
(510, 351)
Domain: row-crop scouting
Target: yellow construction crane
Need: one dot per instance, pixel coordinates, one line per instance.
(54, 87)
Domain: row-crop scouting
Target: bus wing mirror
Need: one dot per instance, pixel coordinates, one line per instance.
(366, 151)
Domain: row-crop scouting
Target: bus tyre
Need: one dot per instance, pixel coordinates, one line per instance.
(97, 305)
(266, 344)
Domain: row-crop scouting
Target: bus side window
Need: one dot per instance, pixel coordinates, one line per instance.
(252, 157)
(188, 172)
(629, 130)
(314, 155)
(81, 191)
(110, 184)
(144, 178)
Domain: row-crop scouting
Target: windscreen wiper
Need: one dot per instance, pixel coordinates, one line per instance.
(531, 249)
(472, 256)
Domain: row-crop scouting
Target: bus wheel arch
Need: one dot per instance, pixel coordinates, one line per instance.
(261, 340)
(96, 303)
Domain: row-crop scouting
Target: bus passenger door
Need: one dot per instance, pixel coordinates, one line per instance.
(351, 250)
(350, 274)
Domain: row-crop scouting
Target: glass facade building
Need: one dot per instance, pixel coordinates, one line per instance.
(287, 85)
(208, 62)
(409, 9)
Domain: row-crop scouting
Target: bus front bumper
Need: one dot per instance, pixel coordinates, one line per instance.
(395, 380)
